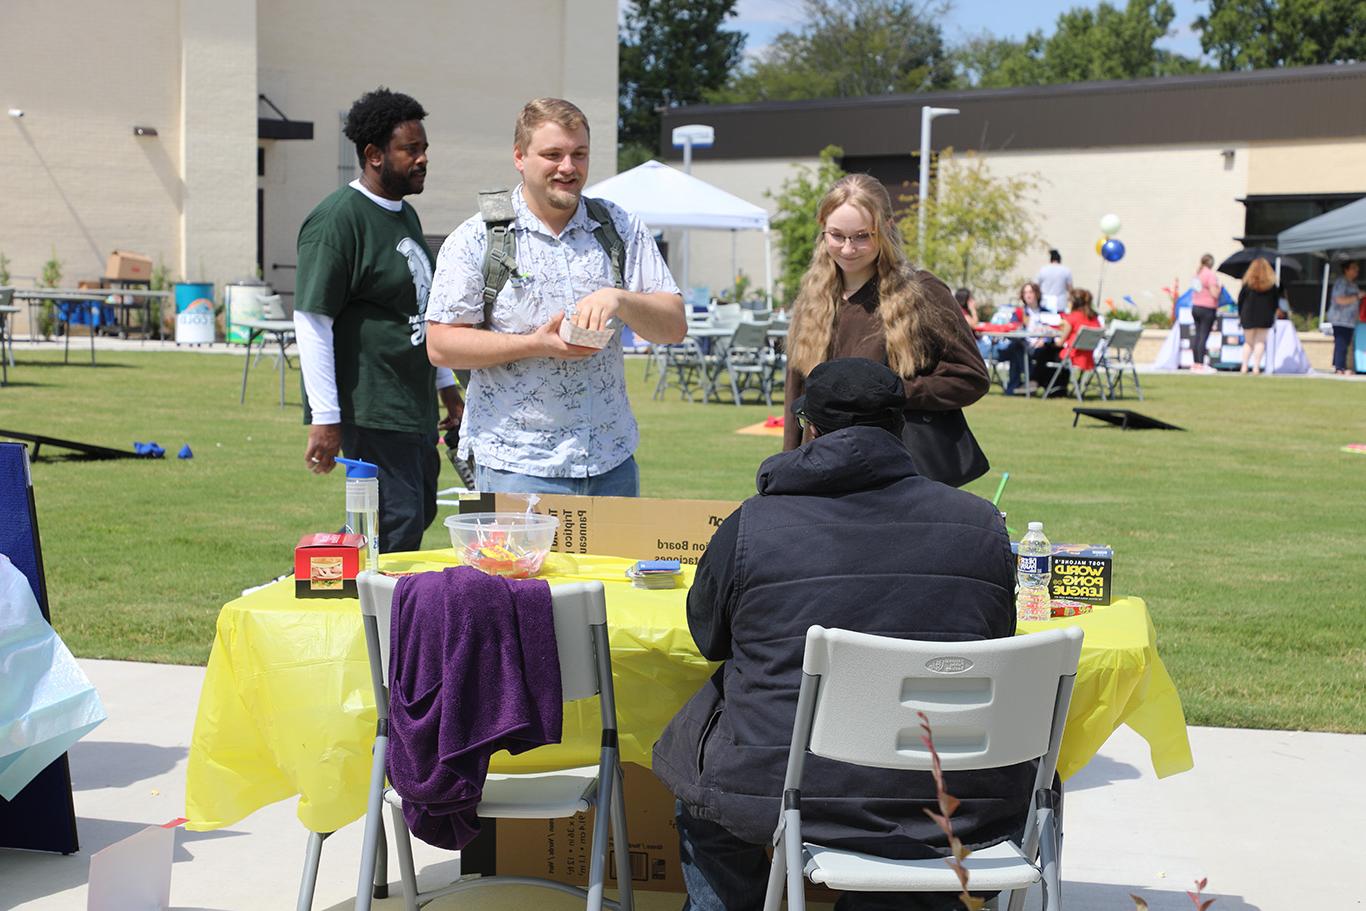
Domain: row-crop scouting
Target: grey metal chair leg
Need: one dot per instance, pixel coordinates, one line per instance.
(381, 886)
(622, 840)
(312, 857)
(374, 822)
(777, 878)
(246, 366)
(608, 792)
(284, 362)
(407, 870)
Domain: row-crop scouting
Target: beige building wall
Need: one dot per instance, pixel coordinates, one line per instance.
(1307, 167)
(75, 179)
(1175, 203)
(218, 140)
(471, 65)
(79, 182)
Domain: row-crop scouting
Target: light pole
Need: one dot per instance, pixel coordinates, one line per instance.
(927, 115)
(685, 137)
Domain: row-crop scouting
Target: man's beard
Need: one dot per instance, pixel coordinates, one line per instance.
(397, 185)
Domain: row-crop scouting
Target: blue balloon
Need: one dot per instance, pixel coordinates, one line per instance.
(1112, 250)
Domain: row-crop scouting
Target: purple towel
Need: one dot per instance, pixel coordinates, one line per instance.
(473, 669)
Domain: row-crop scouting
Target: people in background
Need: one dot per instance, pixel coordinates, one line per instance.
(1344, 314)
(544, 415)
(1015, 351)
(1205, 291)
(1081, 314)
(860, 298)
(831, 521)
(973, 317)
(1055, 282)
(1257, 302)
(360, 306)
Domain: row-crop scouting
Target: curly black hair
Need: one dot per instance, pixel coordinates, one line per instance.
(372, 118)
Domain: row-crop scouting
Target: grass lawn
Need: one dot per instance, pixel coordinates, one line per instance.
(1244, 533)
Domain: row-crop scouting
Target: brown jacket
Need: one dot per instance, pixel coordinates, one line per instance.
(956, 380)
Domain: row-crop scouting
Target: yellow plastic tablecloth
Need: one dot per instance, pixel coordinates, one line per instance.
(287, 706)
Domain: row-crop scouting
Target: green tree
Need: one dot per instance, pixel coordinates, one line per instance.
(1260, 34)
(671, 54)
(977, 225)
(850, 49)
(1087, 44)
(796, 224)
(991, 63)
(1112, 43)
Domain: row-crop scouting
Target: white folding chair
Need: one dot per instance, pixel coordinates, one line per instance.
(994, 703)
(585, 670)
(1118, 356)
(1088, 339)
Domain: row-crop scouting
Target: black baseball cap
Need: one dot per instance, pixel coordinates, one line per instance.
(852, 391)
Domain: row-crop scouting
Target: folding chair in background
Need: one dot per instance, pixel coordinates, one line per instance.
(1004, 702)
(1088, 339)
(1118, 356)
(585, 670)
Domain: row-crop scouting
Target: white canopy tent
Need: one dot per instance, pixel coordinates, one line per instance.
(664, 197)
(1341, 231)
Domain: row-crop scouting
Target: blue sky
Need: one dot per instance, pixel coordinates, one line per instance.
(762, 19)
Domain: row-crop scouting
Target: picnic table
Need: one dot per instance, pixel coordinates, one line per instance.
(94, 298)
(287, 706)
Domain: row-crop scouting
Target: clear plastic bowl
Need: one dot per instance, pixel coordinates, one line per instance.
(512, 544)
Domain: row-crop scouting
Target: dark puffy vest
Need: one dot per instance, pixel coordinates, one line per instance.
(844, 534)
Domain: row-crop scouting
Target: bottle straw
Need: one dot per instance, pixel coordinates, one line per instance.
(1000, 488)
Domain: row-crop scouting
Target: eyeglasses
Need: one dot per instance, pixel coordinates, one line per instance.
(859, 240)
(802, 420)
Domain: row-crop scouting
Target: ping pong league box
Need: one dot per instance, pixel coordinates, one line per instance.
(637, 528)
(1081, 572)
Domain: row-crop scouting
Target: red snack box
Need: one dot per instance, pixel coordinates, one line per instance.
(326, 564)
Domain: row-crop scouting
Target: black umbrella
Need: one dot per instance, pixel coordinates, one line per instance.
(1236, 265)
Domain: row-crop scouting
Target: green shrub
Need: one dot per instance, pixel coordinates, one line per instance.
(1158, 319)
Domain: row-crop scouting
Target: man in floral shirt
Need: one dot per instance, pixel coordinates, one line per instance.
(542, 415)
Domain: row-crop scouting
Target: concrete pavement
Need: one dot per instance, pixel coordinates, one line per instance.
(1272, 818)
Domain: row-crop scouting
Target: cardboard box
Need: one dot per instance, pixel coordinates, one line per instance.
(633, 527)
(122, 264)
(326, 564)
(1081, 572)
(558, 849)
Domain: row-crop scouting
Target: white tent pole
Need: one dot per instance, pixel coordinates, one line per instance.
(768, 264)
(734, 270)
(1323, 294)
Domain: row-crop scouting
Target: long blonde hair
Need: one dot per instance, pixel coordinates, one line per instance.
(912, 327)
(1260, 276)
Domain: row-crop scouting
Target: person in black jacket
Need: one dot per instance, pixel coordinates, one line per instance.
(843, 533)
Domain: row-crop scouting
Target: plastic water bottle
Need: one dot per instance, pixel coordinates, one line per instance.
(1033, 572)
(362, 506)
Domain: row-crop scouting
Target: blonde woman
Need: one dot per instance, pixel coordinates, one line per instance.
(1257, 311)
(860, 298)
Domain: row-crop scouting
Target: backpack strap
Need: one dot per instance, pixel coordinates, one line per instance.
(608, 238)
(500, 249)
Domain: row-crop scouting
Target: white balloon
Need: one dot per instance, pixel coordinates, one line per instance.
(1109, 224)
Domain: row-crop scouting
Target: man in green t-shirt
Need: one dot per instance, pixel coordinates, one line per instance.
(360, 317)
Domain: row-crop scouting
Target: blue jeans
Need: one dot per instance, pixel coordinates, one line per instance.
(723, 873)
(1342, 347)
(1013, 353)
(622, 481)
